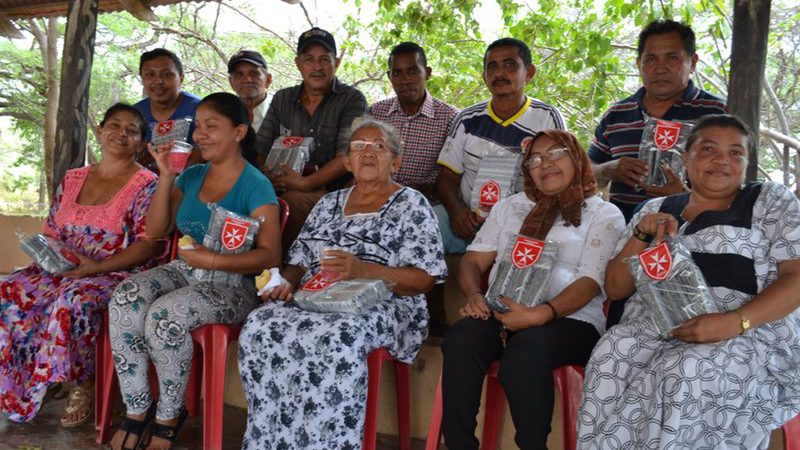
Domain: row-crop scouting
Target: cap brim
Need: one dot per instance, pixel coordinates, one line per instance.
(316, 41)
(233, 64)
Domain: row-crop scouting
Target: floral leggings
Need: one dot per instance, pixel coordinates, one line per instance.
(151, 316)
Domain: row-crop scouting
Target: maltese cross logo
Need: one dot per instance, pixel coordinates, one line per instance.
(526, 252)
(657, 261)
(164, 127)
(233, 233)
(489, 194)
(666, 134)
(316, 283)
(291, 141)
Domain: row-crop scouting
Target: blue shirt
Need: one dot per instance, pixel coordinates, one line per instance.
(251, 191)
(620, 133)
(185, 108)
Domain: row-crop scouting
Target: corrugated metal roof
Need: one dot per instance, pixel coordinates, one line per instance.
(24, 9)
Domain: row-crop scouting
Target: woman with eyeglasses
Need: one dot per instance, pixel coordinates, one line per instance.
(560, 205)
(304, 373)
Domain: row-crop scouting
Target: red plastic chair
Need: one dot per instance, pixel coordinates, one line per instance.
(375, 362)
(568, 380)
(791, 434)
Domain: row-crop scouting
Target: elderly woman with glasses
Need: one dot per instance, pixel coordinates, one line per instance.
(560, 205)
(305, 373)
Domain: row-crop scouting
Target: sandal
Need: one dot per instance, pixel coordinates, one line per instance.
(135, 427)
(80, 400)
(166, 432)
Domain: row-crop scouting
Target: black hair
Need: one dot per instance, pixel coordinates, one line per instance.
(717, 120)
(408, 47)
(665, 27)
(522, 49)
(157, 53)
(124, 107)
(231, 107)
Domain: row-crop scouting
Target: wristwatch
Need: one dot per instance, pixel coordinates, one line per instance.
(744, 319)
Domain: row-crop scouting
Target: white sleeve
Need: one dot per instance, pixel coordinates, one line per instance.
(452, 154)
(600, 242)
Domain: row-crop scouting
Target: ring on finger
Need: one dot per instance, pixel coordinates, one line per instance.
(660, 220)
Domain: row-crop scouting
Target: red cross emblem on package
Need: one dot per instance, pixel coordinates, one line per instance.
(164, 127)
(666, 134)
(656, 261)
(291, 141)
(233, 233)
(490, 193)
(526, 252)
(316, 283)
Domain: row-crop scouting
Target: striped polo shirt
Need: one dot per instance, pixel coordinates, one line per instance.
(477, 128)
(620, 133)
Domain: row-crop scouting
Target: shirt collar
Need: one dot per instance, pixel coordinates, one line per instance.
(690, 93)
(426, 109)
(336, 86)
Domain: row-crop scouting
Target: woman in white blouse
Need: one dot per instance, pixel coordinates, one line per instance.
(559, 205)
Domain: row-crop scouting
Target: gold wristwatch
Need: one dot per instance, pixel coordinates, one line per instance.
(744, 319)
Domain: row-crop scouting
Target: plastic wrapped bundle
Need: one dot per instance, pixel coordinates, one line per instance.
(293, 151)
(523, 274)
(49, 253)
(228, 234)
(671, 285)
(170, 130)
(347, 296)
(496, 179)
(662, 144)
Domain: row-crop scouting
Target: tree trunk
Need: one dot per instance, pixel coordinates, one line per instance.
(748, 58)
(76, 74)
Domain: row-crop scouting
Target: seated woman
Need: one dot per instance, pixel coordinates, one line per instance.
(48, 322)
(305, 373)
(559, 204)
(152, 314)
(724, 380)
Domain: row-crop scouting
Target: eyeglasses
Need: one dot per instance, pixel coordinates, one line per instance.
(554, 154)
(377, 147)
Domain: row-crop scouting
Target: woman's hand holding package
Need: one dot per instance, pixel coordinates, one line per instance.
(709, 328)
(519, 316)
(475, 307)
(86, 267)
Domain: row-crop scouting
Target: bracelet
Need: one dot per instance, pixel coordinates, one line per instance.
(641, 235)
(553, 308)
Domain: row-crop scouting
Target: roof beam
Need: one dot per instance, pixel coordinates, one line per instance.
(139, 9)
(8, 29)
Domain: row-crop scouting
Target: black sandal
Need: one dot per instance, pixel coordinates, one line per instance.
(135, 427)
(166, 432)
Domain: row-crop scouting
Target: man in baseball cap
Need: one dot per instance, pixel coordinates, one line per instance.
(250, 79)
(321, 107)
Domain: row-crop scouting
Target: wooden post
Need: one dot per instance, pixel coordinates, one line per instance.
(76, 73)
(748, 58)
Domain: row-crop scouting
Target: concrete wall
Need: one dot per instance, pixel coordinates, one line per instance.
(12, 256)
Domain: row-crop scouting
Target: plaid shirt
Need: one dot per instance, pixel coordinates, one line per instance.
(423, 135)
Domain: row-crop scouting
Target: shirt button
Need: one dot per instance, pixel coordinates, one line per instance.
(311, 130)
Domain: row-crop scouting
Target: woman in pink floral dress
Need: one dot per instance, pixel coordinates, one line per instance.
(48, 322)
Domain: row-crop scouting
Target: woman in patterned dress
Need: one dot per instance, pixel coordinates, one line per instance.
(48, 322)
(723, 380)
(559, 204)
(152, 314)
(304, 373)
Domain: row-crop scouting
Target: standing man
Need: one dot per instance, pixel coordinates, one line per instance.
(506, 120)
(321, 107)
(250, 79)
(666, 59)
(421, 120)
(165, 104)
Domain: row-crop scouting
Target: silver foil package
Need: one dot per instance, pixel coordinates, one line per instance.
(294, 151)
(346, 296)
(670, 285)
(228, 233)
(662, 144)
(496, 179)
(49, 253)
(170, 130)
(523, 274)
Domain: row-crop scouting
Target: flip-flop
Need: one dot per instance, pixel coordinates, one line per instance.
(80, 399)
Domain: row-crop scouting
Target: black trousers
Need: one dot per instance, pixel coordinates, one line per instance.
(526, 374)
